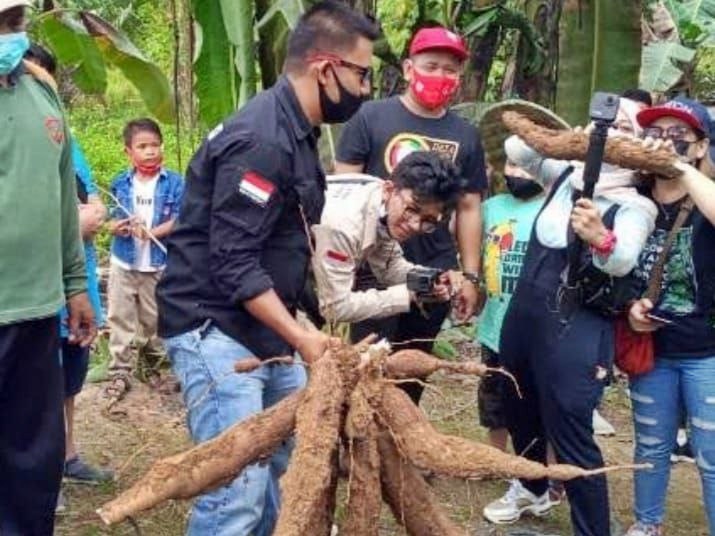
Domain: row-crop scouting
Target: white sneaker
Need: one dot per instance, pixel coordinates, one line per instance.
(516, 501)
(601, 426)
(641, 529)
(61, 506)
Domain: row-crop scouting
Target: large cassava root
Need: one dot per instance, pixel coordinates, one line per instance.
(207, 465)
(454, 456)
(363, 504)
(569, 145)
(410, 498)
(307, 483)
(418, 364)
(349, 398)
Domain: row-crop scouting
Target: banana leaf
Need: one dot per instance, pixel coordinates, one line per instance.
(118, 50)
(290, 10)
(276, 18)
(695, 17)
(576, 44)
(214, 68)
(600, 50)
(74, 47)
(617, 52)
(660, 71)
(238, 18)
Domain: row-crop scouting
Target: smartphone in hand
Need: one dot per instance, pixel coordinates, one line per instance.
(657, 318)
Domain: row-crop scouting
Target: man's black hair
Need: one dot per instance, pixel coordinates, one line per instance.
(43, 57)
(143, 124)
(13, 18)
(328, 26)
(431, 177)
(638, 95)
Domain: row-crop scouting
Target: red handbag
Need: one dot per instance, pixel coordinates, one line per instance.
(635, 353)
(634, 350)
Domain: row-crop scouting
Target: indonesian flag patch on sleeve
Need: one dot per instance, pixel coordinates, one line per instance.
(256, 188)
(337, 256)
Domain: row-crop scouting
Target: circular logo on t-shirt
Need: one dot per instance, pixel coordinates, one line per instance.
(405, 143)
(402, 145)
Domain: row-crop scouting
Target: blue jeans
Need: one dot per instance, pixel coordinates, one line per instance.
(203, 361)
(657, 397)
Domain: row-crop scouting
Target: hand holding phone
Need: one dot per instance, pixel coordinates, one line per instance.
(656, 318)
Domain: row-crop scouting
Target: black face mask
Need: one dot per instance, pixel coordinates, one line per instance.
(681, 147)
(344, 109)
(522, 188)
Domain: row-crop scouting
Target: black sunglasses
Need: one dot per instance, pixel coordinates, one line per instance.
(365, 73)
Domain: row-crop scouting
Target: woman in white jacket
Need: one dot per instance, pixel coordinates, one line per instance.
(561, 351)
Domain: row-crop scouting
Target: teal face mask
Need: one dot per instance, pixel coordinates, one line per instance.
(12, 49)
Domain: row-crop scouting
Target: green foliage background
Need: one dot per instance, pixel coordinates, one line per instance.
(97, 122)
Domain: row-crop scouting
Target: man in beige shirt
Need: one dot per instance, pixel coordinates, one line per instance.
(364, 221)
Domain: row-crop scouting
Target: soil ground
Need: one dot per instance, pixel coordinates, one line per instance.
(154, 427)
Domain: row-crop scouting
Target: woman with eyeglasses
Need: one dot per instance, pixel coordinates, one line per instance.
(559, 347)
(682, 321)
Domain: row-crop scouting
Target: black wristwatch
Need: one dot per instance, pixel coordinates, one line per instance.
(472, 277)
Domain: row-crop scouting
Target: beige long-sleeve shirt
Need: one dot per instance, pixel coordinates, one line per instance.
(351, 234)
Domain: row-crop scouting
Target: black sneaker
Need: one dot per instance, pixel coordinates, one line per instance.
(682, 453)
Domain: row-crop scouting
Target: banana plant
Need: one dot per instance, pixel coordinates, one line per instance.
(88, 45)
(234, 41)
(695, 19)
(536, 82)
(667, 58)
(662, 65)
(599, 50)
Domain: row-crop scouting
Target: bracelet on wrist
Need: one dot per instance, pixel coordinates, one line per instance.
(606, 246)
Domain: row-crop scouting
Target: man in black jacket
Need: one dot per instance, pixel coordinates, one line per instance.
(239, 253)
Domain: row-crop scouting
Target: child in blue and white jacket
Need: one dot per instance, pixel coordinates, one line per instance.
(147, 199)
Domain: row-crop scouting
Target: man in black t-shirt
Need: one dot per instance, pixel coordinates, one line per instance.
(384, 131)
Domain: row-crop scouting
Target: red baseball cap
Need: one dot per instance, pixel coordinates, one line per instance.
(438, 38)
(687, 110)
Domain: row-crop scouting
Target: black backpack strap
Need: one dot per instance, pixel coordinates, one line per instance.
(609, 217)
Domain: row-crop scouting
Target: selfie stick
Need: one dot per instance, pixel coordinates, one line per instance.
(604, 107)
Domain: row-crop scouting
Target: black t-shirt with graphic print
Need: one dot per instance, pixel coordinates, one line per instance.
(385, 131)
(692, 333)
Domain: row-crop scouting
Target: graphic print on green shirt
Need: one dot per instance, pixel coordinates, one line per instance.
(507, 228)
(678, 285)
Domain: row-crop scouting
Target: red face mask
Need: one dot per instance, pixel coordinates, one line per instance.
(433, 91)
(149, 168)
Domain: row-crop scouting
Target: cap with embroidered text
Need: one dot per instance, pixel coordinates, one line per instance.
(687, 110)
